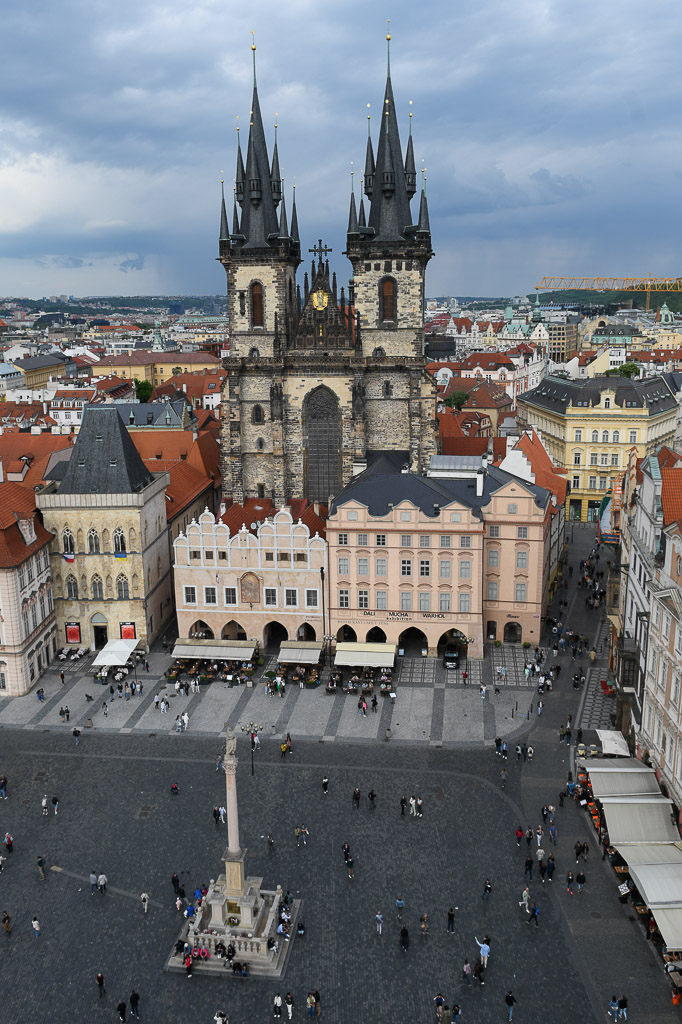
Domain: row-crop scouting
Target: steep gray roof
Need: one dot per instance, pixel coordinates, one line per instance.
(154, 414)
(380, 491)
(104, 460)
(555, 393)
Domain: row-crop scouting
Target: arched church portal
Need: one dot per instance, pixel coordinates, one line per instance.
(322, 444)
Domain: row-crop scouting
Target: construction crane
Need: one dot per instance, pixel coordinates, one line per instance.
(611, 284)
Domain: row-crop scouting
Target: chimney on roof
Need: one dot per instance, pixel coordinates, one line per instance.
(480, 477)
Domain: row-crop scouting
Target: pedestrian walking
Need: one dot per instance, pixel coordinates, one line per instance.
(55, 802)
(534, 914)
(413, 807)
(101, 988)
(484, 948)
(175, 882)
(552, 834)
(133, 1001)
(41, 867)
(420, 807)
(93, 882)
(379, 921)
(44, 805)
(400, 906)
(525, 899)
(623, 1007)
(6, 922)
(102, 883)
(424, 924)
(346, 852)
(3, 786)
(578, 849)
(325, 785)
(613, 1007)
(531, 752)
(356, 798)
(76, 735)
(528, 867)
(61, 678)
(35, 925)
(580, 880)
(289, 1003)
(8, 842)
(519, 835)
(503, 778)
(584, 851)
(404, 938)
(403, 805)
(569, 882)
(121, 1009)
(466, 972)
(510, 1002)
(277, 1005)
(350, 864)
(62, 715)
(144, 900)
(310, 1004)
(105, 708)
(67, 712)
(487, 889)
(371, 796)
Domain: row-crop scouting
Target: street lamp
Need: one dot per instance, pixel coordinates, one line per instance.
(253, 729)
(328, 639)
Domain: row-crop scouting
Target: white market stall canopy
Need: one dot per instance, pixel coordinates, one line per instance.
(613, 742)
(669, 921)
(654, 853)
(659, 884)
(215, 650)
(639, 819)
(365, 655)
(299, 652)
(116, 652)
(621, 778)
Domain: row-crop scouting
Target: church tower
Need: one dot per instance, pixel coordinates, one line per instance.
(316, 384)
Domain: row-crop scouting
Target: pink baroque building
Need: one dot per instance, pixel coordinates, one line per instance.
(251, 573)
(424, 562)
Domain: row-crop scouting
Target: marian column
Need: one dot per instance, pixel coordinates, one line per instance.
(234, 855)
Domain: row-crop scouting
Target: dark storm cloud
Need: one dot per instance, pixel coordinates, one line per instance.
(548, 133)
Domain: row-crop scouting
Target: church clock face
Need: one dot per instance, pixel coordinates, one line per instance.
(320, 299)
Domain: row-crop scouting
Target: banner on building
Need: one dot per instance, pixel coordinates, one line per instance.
(73, 632)
(128, 631)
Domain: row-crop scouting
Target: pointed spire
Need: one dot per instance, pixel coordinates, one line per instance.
(298, 297)
(362, 222)
(342, 304)
(334, 288)
(294, 220)
(353, 216)
(410, 169)
(369, 161)
(423, 227)
(239, 177)
(389, 213)
(306, 286)
(283, 228)
(259, 213)
(235, 219)
(275, 175)
(224, 228)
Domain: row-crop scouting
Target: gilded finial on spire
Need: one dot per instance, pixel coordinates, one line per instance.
(388, 47)
(369, 118)
(253, 51)
(423, 179)
(410, 118)
(387, 111)
(352, 180)
(276, 117)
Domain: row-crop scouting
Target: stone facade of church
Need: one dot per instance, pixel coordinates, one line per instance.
(319, 381)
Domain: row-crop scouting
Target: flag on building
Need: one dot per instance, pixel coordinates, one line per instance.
(120, 554)
(69, 556)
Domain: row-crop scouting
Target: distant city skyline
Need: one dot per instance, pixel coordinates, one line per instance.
(549, 137)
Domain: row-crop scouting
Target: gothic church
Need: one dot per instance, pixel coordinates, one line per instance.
(319, 383)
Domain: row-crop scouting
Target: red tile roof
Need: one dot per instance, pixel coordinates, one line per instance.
(18, 502)
(36, 449)
(547, 475)
(256, 510)
(465, 445)
(671, 493)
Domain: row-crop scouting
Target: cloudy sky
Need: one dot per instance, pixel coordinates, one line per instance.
(550, 133)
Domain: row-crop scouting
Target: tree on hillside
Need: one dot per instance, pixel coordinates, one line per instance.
(143, 390)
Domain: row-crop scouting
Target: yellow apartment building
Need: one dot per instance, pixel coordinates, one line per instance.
(589, 426)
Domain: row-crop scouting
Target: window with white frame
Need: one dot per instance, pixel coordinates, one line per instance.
(352, 515)
(344, 598)
(602, 483)
(465, 569)
(444, 601)
(521, 559)
(465, 541)
(492, 590)
(210, 595)
(675, 691)
(406, 540)
(424, 601)
(424, 540)
(363, 598)
(592, 483)
(424, 567)
(578, 435)
(344, 566)
(465, 602)
(493, 531)
(343, 539)
(405, 566)
(381, 600)
(381, 540)
(666, 626)
(576, 481)
(291, 597)
(604, 459)
(270, 597)
(512, 509)
(445, 568)
(381, 566)
(594, 459)
(405, 517)
(633, 437)
(230, 595)
(362, 540)
(614, 458)
(520, 592)
(522, 532)
(493, 558)
(363, 566)
(405, 601)
(446, 541)
(577, 456)
(22, 578)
